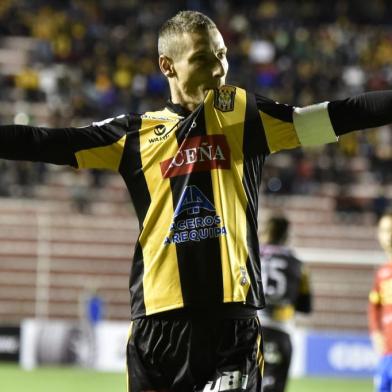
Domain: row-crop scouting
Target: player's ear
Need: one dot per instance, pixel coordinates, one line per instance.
(166, 66)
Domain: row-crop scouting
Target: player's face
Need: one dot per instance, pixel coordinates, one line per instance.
(202, 64)
(385, 233)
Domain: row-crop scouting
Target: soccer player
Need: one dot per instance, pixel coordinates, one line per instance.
(193, 171)
(287, 290)
(380, 309)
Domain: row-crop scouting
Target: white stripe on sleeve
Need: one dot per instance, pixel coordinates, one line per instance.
(313, 125)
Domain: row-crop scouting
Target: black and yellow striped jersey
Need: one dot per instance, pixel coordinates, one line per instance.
(194, 179)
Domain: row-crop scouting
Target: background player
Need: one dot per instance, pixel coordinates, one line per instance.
(380, 308)
(287, 290)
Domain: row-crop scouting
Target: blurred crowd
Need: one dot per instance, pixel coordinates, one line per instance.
(69, 62)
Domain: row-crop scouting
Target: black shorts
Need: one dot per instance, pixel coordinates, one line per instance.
(277, 358)
(195, 355)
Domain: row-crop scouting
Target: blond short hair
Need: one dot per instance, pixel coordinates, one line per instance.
(169, 38)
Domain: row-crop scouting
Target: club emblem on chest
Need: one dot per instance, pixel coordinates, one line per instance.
(224, 98)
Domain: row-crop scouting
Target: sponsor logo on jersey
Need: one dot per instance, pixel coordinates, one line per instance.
(194, 218)
(159, 130)
(161, 133)
(196, 154)
(192, 201)
(224, 98)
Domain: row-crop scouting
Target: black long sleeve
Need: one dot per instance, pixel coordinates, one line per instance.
(367, 110)
(59, 145)
(20, 142)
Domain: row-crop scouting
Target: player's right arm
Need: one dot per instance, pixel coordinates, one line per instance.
(99, 145)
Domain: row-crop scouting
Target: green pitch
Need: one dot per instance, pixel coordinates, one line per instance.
(330, 385)
(12, 379)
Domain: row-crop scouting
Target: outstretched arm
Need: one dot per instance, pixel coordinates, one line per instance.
(99, 145)
(363, 111)
(19, 142)
(288, 127)
(324, 122)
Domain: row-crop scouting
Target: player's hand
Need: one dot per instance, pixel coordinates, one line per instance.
(378, 342)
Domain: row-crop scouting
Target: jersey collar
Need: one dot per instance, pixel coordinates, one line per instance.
(177, 108)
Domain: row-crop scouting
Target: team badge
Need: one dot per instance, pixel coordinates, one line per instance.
(224, 98)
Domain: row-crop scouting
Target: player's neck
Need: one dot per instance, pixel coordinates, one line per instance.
(188, 102)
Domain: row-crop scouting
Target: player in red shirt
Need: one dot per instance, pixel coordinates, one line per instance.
(380, 309)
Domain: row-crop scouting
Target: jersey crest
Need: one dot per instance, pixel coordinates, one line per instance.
(224, 98)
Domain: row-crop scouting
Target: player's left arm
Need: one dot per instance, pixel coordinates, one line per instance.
(324, 122)
(287, 127)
